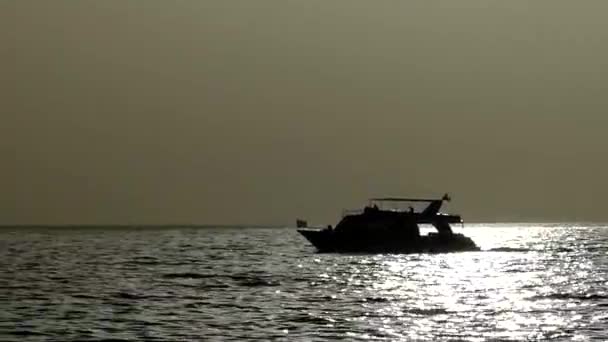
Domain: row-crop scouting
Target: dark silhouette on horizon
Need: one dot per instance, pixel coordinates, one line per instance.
(379, 230)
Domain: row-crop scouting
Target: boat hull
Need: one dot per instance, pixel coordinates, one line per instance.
(330, 241)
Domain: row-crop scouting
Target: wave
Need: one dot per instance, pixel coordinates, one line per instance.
(376, 300)
(144, 262)
(563, 250)
(239, 280)
(27, 333)
(213, 286)
(426, 312)
(257, 282)
(84, 296)
(309, 318)
(131, 296)
(508, 249)
(187, 275)
(522, 249)
(575, 296)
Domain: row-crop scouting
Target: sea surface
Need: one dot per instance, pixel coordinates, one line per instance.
(531, 282)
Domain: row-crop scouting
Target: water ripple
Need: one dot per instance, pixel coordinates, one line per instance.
(529, 282)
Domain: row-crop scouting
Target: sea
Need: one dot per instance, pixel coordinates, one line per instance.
(530, 282)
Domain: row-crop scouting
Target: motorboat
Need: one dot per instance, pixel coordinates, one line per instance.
(385, 225)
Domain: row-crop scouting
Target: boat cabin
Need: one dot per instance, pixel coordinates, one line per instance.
(396, 212)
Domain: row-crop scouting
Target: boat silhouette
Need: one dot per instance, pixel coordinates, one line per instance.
(384, 226)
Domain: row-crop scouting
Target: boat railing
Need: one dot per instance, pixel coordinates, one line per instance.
(347, 212)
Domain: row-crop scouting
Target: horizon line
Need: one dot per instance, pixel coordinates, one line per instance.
(243, 225)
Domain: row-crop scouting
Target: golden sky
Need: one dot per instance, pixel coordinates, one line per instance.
(199, 111)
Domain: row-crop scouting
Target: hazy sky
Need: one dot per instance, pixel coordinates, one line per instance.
(199, 111)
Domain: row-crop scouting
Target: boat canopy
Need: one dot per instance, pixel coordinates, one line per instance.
(399, 199)
(432, 208)
(403, 204)
(445, 197)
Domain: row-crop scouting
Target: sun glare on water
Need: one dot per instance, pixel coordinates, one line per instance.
(508, 288)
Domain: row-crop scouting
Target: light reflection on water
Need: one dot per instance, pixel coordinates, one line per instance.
(530, 282)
